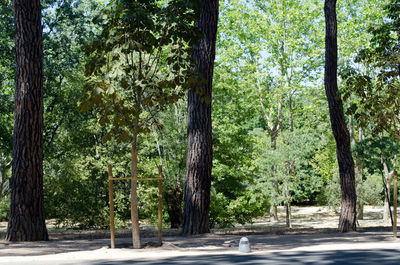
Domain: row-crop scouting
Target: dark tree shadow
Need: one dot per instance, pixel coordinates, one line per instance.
(342, 257)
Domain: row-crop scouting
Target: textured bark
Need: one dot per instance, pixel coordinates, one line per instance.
(347, 219)
(26, 221)
(199, 147)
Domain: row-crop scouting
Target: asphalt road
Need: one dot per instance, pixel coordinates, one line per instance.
(343, 257)
(373, 247)
(332, 257)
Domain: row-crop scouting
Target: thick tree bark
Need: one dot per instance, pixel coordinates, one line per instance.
(199, 148)
(347, 219)
(26, 221)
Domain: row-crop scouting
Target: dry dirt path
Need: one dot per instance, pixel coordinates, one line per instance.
(313, 240)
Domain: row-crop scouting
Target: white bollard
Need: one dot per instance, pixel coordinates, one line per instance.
(244, 245)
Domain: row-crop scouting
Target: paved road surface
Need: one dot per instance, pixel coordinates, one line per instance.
(351, 248)
(343, 257)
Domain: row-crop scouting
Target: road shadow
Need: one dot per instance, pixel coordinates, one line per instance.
(342, 257)
(285, 240)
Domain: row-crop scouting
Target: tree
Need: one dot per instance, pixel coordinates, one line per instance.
(139, 65)
(372, 82)
(199, 132)
(347, 219)
(26, 221)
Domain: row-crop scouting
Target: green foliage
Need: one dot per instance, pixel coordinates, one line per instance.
(6, 49)
(74, 199)
(7, 63)
(4, 208)
(136, 69)
(235, 198)
(226, 213)
(324, 160)
(372, 190)
(289, 167)
(6, 77)
(219, 214)
(371, 150)
(375, 85)
(140, 63)
(332, 192)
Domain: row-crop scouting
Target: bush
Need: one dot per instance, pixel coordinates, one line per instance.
(76, 197)
(226, 213)
(219, 214)
(372, 190)
(4, 208)
(332, 192)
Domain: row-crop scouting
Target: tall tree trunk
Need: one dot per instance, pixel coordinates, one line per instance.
(199, 147)
(134, 199)
(347, 219)
(26, 221)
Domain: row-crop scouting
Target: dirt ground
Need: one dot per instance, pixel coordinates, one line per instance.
(313, 227)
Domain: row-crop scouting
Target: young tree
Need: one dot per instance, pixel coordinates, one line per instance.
(26, 221)
(199, 147)
(139, 65)
(347, 220)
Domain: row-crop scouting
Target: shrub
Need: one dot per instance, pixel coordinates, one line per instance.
(4, 208)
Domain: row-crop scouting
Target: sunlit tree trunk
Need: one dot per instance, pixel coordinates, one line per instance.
(347, 219)
(134, 200)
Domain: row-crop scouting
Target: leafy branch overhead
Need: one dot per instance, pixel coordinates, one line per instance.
(140, 63)
(376, 86)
